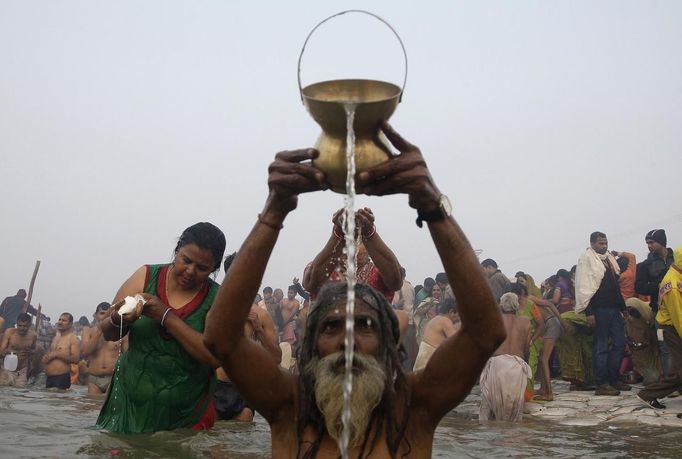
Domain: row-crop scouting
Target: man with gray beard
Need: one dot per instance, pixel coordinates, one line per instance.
(393, 414)
(369, 381)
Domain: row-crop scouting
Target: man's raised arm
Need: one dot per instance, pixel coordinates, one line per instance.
(457, 363)
(251, 368)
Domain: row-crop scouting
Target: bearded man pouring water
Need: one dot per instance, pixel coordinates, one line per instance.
(393, 414)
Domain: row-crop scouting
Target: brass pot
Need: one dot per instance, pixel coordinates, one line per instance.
(374, 101)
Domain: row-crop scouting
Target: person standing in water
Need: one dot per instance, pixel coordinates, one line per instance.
(100, 353)
(503, 380)
(165, 341)
(440, 328)
(21, 341)
(64, 351)
(393, 414)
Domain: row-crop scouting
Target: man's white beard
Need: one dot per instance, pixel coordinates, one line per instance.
(369, 380)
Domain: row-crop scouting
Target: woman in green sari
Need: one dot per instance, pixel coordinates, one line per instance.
(165, 379)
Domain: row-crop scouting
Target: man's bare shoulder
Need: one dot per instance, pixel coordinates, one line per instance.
(438, 323)
(523, 322)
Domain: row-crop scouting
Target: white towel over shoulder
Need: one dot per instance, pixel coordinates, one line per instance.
(588, 276)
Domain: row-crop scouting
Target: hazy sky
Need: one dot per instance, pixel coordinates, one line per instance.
(122, 123)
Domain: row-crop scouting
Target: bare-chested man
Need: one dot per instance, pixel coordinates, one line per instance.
(100, 353)
(21, 341)
(230, 405)
(290, 306)
(393, 414)
(440, 328)
(64, 350)
(503, 380)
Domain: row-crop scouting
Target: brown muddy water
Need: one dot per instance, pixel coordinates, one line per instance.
(35, 423)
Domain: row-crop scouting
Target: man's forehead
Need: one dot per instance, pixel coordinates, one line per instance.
(338, 308)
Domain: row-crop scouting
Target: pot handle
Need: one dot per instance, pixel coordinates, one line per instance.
(300, 57)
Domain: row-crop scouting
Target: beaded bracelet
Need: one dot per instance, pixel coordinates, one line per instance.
(114, 323)
(374, 231)
(275, 227)
(163, 318)
(121, 324)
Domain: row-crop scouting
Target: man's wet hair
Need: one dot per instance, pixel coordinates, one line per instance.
(519, 289)
(596, 235)
(489, 262)
(267, 290)
(291, 287)
(67, 314)
(24, 317)
(442, 278)
(206, 236)
(84, 321)
(394, 401)
(21, 293)
(228, 261)
(447, 305)
(103, 306)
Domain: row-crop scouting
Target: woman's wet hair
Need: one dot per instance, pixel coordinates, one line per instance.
(205, 236)
(391, 415)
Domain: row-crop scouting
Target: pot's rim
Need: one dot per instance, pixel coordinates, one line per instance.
(379, 83)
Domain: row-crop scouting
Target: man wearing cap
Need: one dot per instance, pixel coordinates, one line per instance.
(669, 318)
(650, 272)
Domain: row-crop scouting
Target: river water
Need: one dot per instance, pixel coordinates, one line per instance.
(37, 423)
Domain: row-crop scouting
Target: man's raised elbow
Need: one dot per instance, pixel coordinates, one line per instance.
(492, 339)
(393, 281)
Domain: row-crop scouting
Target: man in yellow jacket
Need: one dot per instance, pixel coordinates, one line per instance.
(669, 317)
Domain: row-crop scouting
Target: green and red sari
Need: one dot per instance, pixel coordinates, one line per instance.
(157, 384)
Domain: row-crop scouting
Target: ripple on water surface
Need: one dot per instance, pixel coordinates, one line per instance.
(41, 424)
